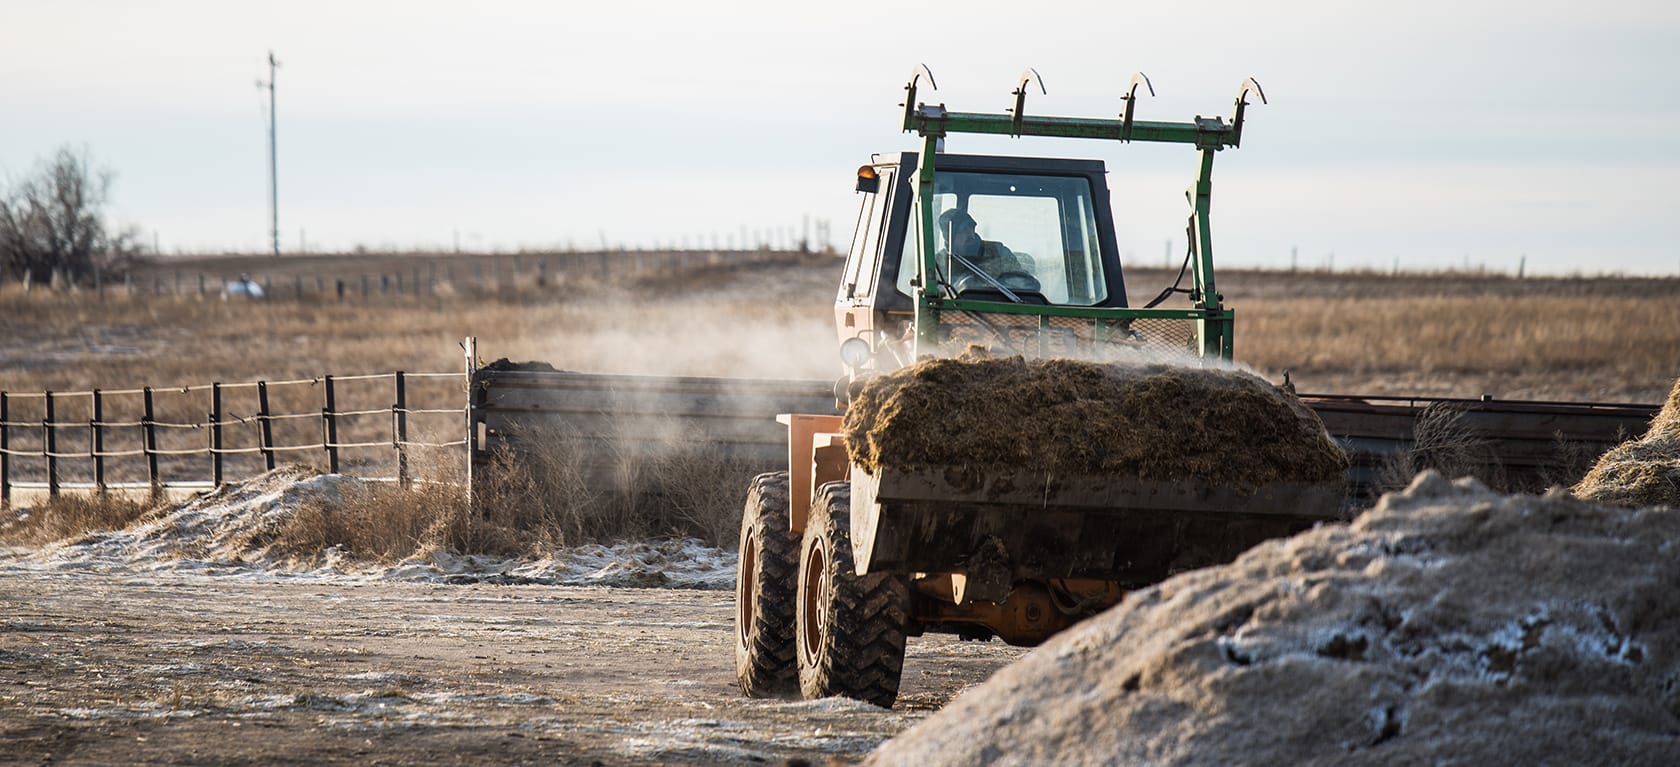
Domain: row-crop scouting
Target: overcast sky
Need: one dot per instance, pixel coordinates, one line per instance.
(1429, 134)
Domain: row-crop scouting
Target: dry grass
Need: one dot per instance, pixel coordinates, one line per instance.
(528, 508)
(1442, 442)
(1424, 335)
(1602, 348)
(1442, 335)
(71, 516)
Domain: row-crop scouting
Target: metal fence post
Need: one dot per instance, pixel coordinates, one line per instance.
(216, 433)
(148, 426)
(329, 426)
(49, 437)
(96, 427)
(265, 427)
(399, 425)
(470, 345)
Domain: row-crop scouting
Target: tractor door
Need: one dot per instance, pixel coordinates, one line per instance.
(853, 306)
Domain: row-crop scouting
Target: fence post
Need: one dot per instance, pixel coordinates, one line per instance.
(265, 428)
(399, 414)
(216, 433)
(148, 425)
(5, 451)
(49, 436)
(97, 429)
(470, 345)
(329, 426)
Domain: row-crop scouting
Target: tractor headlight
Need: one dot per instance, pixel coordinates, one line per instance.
(855, 352)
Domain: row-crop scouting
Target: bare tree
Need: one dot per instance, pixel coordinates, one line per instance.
(52, 222)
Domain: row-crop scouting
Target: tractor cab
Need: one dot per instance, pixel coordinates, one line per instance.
(1017, 254)
(1012, 230)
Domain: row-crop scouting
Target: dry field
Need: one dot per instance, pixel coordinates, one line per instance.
(101, 663)
(1448, 334)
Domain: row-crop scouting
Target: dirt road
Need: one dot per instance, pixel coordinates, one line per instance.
(204, 669)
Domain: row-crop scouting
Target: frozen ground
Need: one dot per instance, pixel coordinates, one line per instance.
(225, 534)
(179, 641)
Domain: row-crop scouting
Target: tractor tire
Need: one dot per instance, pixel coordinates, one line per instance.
(851, 629)
(765, 585)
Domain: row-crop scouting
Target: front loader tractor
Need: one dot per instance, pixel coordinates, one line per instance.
(840, 562)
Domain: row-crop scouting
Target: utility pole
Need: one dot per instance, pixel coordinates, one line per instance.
(273, 161)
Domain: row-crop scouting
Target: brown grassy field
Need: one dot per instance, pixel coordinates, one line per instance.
(1449, 334)
(1608, 340)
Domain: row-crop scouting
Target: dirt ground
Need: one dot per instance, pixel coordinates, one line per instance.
(99, 668)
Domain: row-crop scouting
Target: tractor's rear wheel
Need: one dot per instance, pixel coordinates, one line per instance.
(765, 579)
(851, 629)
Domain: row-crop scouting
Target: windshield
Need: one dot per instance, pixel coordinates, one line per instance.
(1029, 234)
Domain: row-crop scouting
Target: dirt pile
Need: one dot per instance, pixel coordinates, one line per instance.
(1156, 422)
(1448, 624)
(1641, 472)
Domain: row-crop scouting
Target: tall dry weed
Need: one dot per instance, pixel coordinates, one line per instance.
(1442, 441)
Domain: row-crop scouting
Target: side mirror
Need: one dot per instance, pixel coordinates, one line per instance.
(867, 180)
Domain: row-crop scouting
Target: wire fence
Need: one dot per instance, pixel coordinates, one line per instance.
(383, 427)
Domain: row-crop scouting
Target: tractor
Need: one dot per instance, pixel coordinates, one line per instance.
(838, 564)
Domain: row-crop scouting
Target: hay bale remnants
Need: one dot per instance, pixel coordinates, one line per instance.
(1448, 625)
(1641, 472)
(1066, 417)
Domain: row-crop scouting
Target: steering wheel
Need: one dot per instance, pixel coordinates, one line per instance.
(1017, 281)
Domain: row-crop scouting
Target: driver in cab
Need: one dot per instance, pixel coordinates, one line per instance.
(971, 254)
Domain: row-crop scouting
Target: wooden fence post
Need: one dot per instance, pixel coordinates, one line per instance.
(265, 427)
(96, 427)
(5, 451)
(329, 427)
(148, 426)
(216, 433)
(399, 415)
(49, 437)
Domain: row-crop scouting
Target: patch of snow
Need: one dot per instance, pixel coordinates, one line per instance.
(223, 533)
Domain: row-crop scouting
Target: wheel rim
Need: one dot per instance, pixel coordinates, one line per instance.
(814, 593)
(747, 578)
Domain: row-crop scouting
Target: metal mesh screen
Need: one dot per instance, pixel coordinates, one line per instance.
(1076, 337)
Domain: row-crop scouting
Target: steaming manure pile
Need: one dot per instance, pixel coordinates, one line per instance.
(1069, 417)
(1641, 472)
(1447, 625)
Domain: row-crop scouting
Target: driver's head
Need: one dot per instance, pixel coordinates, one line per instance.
(960, 233)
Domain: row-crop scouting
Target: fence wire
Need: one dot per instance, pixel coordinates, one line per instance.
(385, 426)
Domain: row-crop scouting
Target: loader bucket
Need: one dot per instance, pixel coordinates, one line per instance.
(1133, 531)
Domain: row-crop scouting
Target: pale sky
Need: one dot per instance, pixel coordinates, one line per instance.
(1430, 134)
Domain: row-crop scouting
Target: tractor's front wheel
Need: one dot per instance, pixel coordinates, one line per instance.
(851, 629)
(765, 578)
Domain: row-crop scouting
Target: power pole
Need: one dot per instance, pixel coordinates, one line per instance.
(273, 161)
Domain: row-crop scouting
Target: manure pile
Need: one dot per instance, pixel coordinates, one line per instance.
(1641, 472)
(1067, 417)
(1448, 625)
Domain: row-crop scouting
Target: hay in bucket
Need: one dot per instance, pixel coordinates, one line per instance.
(1064, 417)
